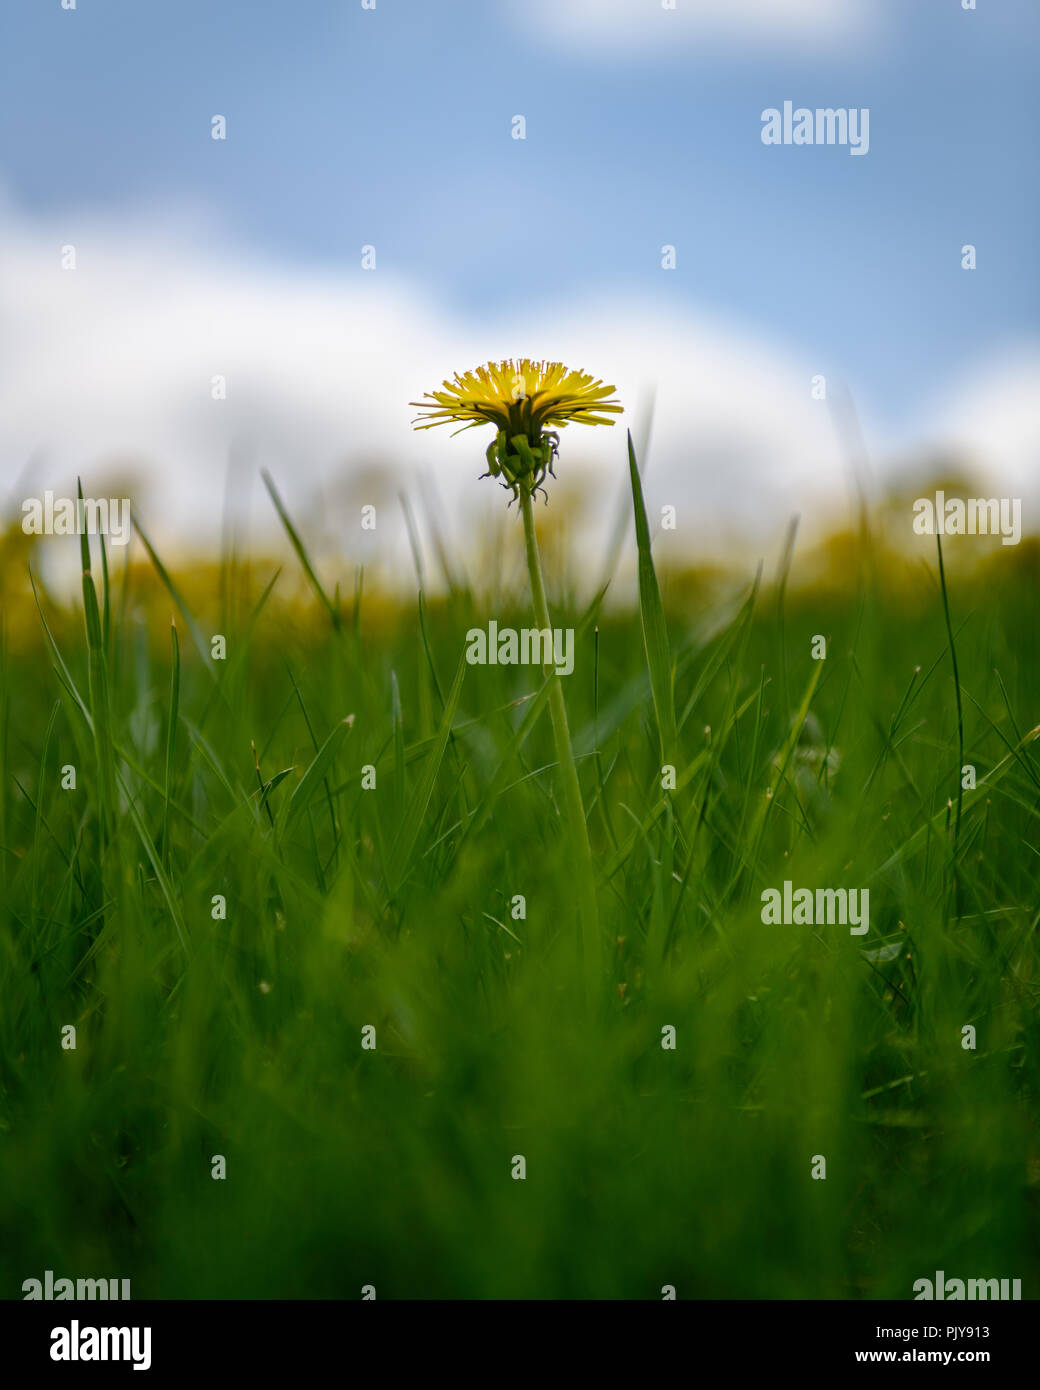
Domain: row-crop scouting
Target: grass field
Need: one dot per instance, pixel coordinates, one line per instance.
(393, 907)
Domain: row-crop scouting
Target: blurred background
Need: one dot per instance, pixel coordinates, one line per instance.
(391, 128)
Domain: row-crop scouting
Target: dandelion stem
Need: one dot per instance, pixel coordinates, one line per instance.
(588, 916)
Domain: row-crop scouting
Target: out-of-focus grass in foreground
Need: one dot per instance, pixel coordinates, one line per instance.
(394, 907)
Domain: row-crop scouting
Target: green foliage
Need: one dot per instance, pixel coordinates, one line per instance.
(392, 907)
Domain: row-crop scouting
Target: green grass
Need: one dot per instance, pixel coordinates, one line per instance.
(391, 907)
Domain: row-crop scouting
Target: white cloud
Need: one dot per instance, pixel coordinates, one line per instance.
(624, 25)
(113, 361)
(989, 418)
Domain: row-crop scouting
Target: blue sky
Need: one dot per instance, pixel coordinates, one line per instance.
(391, 127)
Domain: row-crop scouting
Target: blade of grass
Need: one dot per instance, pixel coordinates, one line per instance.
(171, 740)
(97, 679)
(171, 588)
(404, 844)
(960, 733)
(314, 777)
(301, 551)
(651, 613)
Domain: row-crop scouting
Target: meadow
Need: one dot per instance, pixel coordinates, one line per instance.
(329, 829)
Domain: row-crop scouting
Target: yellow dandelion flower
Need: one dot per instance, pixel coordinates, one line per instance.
(519, 397)
(526, 402)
